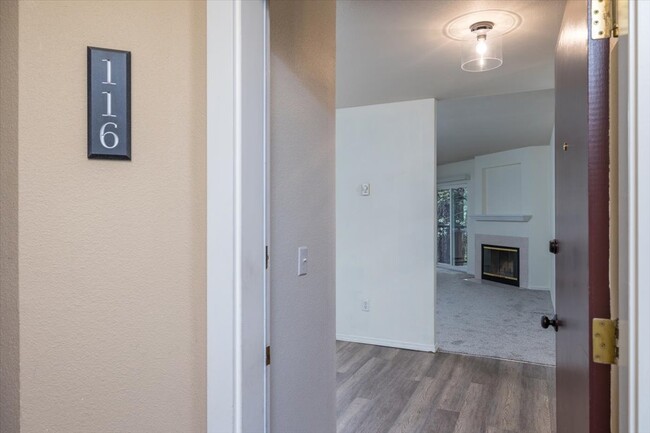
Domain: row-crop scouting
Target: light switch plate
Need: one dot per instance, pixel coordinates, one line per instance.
(303, 253)
(365, 189)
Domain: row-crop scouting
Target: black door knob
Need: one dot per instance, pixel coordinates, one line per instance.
(546, 322)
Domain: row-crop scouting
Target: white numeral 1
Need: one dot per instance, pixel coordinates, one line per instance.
(109, 105)
(109, 75)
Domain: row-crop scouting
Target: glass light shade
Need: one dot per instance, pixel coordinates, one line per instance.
(481, 55)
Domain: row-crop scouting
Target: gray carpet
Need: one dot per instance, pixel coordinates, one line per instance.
(494, 320)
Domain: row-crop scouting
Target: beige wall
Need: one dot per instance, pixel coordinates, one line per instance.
(112, 253)
(9, 341)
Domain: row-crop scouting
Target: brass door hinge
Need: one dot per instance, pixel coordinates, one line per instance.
(268, 355)
(604, 341)
(608, 18)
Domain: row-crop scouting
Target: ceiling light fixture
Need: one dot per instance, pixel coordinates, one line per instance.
(480, 53)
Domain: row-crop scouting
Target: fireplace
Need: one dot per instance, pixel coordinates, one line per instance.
(500, 264)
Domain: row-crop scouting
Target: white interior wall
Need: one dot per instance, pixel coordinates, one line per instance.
(535, 177)
(552, 206)
(386, 241)
(302, 122)
(519, 181)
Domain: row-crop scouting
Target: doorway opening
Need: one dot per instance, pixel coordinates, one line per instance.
(492, 307)
(445, 203)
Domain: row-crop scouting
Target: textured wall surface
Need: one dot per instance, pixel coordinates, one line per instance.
(9, 317)
(302, 214)
(112, 253)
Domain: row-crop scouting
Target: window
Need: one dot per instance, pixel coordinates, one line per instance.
(452, 226)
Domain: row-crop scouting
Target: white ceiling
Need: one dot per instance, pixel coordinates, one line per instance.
(389, 51)
(468, 127)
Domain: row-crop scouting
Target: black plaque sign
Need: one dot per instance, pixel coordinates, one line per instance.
(109, 104)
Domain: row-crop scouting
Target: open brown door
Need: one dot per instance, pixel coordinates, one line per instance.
(582, 200)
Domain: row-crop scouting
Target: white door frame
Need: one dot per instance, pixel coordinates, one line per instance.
(638, 344)
(237, 141)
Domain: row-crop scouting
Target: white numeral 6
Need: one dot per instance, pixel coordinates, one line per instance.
(103, 133)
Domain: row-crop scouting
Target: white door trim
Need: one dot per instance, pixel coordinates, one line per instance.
(267, 210)
(236, 221)
(639, 217)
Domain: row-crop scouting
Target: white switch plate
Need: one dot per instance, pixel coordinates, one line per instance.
(365, 305)
(365, 189)
(303, 253)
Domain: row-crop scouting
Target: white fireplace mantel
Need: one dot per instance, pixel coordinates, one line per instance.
(503, 218)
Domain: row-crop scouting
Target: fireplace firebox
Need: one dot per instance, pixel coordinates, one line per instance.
(500, 264)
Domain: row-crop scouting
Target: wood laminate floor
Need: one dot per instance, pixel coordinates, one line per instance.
(382, 389)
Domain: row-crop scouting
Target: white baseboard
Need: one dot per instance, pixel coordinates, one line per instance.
(539, 288)
(388, 343)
